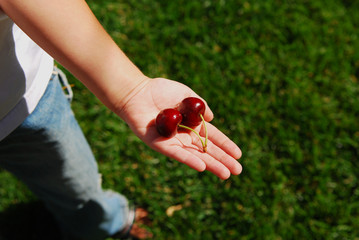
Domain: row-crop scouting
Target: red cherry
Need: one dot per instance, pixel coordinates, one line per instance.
(191, 108)
(167, 122)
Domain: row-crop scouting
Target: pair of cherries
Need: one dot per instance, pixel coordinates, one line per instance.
(187, 115)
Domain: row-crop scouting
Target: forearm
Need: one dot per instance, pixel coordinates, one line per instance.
(69, 32)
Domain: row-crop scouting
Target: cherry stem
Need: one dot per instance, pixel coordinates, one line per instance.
(188, 128)
(205, 130)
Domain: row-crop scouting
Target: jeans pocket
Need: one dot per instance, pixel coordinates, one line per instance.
(64, 83)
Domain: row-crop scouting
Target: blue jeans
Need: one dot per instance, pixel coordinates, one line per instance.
(50, 154)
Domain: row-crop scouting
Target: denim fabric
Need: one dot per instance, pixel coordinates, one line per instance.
(50, 154)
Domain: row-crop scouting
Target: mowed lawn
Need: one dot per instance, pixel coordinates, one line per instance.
(282, 80)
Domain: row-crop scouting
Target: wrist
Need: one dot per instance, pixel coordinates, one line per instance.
(132, 91)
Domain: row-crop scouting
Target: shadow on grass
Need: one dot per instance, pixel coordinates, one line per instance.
(28, 221)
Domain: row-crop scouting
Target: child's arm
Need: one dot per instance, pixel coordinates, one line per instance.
(68, 30)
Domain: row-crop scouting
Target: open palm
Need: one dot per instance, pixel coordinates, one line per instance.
(140, 114)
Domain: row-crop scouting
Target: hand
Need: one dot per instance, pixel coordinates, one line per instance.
(140, 113)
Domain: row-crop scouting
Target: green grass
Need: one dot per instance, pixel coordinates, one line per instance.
(282, 80)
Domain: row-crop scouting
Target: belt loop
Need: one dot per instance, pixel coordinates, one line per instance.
(63, 80)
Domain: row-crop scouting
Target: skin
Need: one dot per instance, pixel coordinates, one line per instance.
(70, 33)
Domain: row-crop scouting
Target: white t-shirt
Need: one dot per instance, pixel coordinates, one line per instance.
(25, 70)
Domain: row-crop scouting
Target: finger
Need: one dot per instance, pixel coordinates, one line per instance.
(212, 165)
(184, 156)
(190, 153)
(222, 141)
(219, 155)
